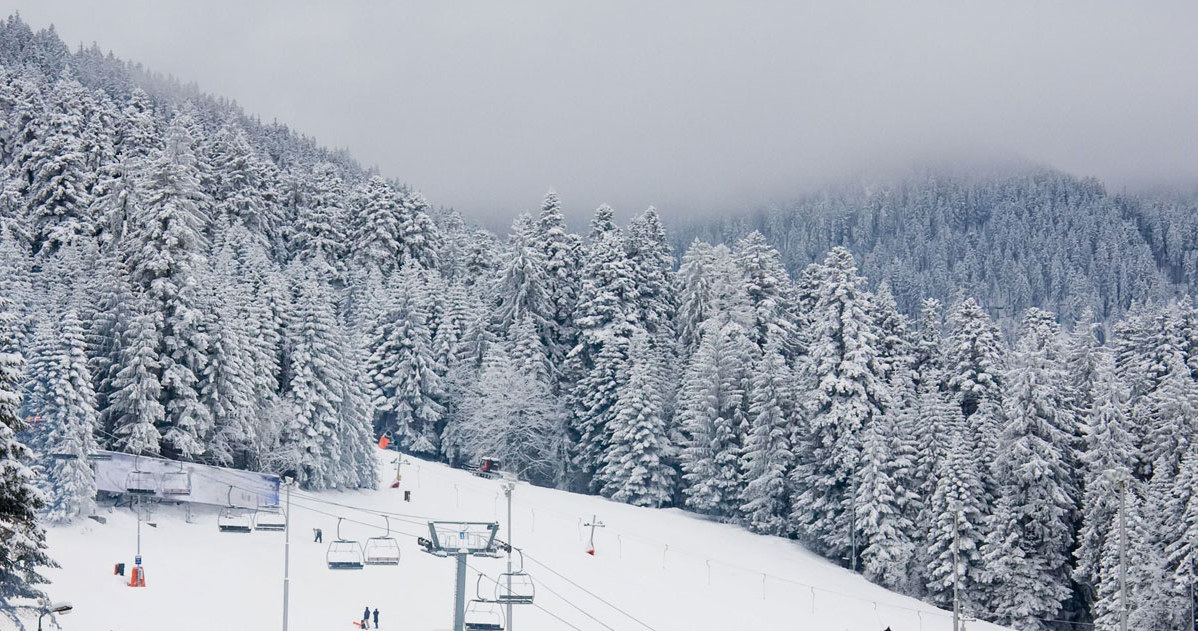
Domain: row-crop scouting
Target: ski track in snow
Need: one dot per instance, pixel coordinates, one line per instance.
(709, 578)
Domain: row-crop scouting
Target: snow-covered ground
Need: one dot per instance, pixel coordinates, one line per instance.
(666, 568)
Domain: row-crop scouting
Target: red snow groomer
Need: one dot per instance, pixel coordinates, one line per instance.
(487, 468)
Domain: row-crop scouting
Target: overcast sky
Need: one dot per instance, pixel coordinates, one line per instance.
(691, 106)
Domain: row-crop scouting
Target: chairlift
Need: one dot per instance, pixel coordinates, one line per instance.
(482, 614)
(270, 518)
(176, 482)
(344, 554)
(140, 482)
(382, 550)
(233, 519)
(515, 587)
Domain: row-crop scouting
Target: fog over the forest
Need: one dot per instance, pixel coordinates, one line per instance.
(691, 106)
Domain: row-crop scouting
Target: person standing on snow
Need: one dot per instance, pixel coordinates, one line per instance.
(318, 536)
(376, 617)
(366, 618)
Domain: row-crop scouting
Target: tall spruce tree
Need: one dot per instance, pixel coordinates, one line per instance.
(849, 394)
(22, 539)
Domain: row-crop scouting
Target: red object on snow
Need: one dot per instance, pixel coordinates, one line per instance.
(591, 551)
(384, 441)
(138, 577)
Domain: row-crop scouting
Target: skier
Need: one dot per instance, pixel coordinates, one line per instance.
(376, 617)
(318, 536)
(366, 618)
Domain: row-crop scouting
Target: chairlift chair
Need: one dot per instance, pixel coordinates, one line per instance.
(176, 482)
(270, 518)
(233, 519)
(140, 482)
(382, 550)
(482, 614)
(515, 587)
(344, 554)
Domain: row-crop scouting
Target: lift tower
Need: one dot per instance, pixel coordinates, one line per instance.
(461, 539)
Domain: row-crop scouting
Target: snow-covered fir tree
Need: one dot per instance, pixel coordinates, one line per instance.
(714, 418)
(164, 260)
(1036, 484)
(23, 553)
(71, 415)
(403, 376)
(635, 468)
(973, 356)
(849, 394)
(768, 456)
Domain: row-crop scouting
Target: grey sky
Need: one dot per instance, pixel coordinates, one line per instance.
(692, 106)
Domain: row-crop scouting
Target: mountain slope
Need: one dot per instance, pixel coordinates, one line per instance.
(667, 568)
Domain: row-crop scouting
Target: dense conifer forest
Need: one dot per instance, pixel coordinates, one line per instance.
(881, 373)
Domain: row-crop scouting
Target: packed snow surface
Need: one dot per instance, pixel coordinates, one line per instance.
(665, 569)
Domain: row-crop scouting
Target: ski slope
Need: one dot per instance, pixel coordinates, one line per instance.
(667, 569)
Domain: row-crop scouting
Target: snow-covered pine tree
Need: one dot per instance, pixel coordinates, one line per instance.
(652, 265)
(973, 356)
(134, 411)
(561, 252)
(1172, 414)
(227, 385)
(1108, 456)
(51, 171)
(767, 287)
(378, 212)
(420, 242)
(315, 386)
(319, 234)
(883, 514)
(1082, 356)
(1159, 602)
(768, 458)
(1036, 483)
(164, 260)
(405, 388)
(635, 468)
(849, 395)
(713, 416)
(70, 414)
(693, 286)
(243, 185)
(22, 540)
(928, 348)
(958, 512)
(604, 320)
(522, 291)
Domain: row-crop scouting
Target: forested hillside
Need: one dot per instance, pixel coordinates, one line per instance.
(1032, 238)
(183, 279)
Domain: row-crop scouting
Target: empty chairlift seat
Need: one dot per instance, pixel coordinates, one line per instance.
(176, 483)
(235, 520)
(516, 588)
(344, 554)
(141, 483)
(270, 518)
(382, 550)
(483, 615)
